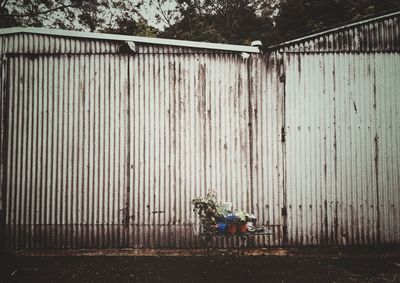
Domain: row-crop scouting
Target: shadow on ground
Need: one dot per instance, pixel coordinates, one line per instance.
(303, 267)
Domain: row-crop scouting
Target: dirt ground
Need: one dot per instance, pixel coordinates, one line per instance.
(301, 265)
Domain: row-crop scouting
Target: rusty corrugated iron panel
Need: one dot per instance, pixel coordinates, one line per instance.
(377, 34)
(54, 133)
(190, 116)
(3, 145)
(34, 44)
(387, 153)
(191, 46)
(341, 162)
(266, 103)
(108, 150)
(30, 43)
(342, 150)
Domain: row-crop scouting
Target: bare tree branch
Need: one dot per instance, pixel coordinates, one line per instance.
(167, 19)
(195, 9)
(41, 12)
(4, 3)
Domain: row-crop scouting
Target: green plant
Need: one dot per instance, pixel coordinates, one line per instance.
(241, 215)
(206, 209)
(221, 214)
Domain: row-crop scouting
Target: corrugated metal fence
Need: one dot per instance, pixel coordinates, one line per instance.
(104, 149)
(342, 122)
(107, 150)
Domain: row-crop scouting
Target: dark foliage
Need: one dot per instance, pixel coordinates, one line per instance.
(297, 17)
(225, 21)
(242, 21)
(93, 15)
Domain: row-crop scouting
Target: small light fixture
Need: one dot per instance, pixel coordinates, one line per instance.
(256, 43)
(132, 46)
(245, 55)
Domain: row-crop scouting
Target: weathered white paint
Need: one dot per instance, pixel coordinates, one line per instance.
(342, 153)
(100, 138)
(3, 111)
(342, 148)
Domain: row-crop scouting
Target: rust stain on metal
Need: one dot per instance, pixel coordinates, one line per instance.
(250, 128)
(4, 132)
(355, 106)
(376, 163)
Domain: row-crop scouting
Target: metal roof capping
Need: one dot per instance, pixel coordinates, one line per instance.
(137, 39)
